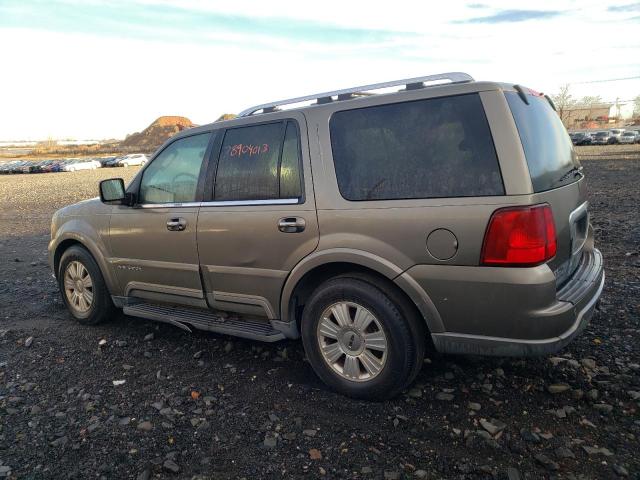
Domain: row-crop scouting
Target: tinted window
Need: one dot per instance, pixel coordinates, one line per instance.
(547, 146)
(432, 148)
(172, 177)
(290, 178)
(259, 162)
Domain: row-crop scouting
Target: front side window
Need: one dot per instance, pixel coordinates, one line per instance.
(433, 148)
(259, 162)
(173, 175)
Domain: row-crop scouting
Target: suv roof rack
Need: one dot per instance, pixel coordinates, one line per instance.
(348, 93)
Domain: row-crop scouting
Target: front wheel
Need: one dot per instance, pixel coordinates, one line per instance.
(83, 289)
(359, 341)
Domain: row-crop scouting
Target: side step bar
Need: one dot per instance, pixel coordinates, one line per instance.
(205, 320)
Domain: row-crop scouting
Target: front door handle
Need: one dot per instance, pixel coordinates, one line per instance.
(176, 224)
(291, 224)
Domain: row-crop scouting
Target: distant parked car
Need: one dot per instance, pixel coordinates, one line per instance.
(616, 133)
(580, 138)
(133, 159)
(46, 166)
(628, 136)
(112, 162)
(105, 161)
(74, 165)
(7, 168)
(27, 167)
(16, 167)
(603, 137)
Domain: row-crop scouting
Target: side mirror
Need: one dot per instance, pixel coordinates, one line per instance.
(112, 191)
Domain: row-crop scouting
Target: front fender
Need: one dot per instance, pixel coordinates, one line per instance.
(90, 234)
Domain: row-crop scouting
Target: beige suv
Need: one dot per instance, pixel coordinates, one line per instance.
(452, 215)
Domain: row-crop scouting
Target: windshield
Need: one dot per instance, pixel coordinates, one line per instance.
(602, 134)
(547, 147)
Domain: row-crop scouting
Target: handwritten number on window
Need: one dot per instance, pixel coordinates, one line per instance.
(241, 149)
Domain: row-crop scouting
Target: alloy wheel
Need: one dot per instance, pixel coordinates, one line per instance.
(78, 287)
(352, 341)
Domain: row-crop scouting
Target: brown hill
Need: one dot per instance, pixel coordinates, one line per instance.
(157, 133)
(226, 116)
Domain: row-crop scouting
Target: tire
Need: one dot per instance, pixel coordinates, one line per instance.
(101, 307)
(397, 365)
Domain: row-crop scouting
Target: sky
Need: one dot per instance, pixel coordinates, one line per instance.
(94, 69)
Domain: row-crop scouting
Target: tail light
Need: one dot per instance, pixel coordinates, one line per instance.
(520, 237)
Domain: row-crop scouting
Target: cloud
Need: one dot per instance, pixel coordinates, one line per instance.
(631, 7)
(511, 16)
(112, 66)
(164, 22)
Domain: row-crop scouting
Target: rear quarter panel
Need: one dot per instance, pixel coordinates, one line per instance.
(397, 230)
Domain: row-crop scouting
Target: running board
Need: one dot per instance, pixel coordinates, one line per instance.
(205, 320)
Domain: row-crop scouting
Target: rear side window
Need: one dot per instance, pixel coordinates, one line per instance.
(259, 162)
(290, 179)
(547, 147)
(433, 148)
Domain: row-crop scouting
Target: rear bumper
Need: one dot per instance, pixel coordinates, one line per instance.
(519, 319)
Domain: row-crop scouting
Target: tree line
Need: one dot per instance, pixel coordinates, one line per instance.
(566, 103)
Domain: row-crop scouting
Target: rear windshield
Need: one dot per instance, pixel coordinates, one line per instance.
(441, 147)
(547, 146)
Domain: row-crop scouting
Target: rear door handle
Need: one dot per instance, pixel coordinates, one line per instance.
(291, 224)
(176, 224)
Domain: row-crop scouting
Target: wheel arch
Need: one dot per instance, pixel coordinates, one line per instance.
(319, 267)
(71, 240)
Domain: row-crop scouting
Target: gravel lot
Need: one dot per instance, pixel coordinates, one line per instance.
(208, 406)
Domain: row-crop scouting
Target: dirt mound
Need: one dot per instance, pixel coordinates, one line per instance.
(226, 116)
(157, 133)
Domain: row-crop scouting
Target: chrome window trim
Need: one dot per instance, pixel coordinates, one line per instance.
(246, 203)
(226, 203)
(168, 205)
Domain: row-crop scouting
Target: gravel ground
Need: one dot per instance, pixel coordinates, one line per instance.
(134, 399)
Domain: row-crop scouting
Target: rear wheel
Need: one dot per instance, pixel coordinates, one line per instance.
(358, 340)
(83, 289)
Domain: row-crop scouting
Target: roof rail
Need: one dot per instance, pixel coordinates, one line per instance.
(347, 93)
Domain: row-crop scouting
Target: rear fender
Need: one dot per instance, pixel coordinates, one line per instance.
(364, 259)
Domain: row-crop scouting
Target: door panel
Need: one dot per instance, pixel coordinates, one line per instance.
(154, 247)
(246, 258)
(260, 219)
(148, 257)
